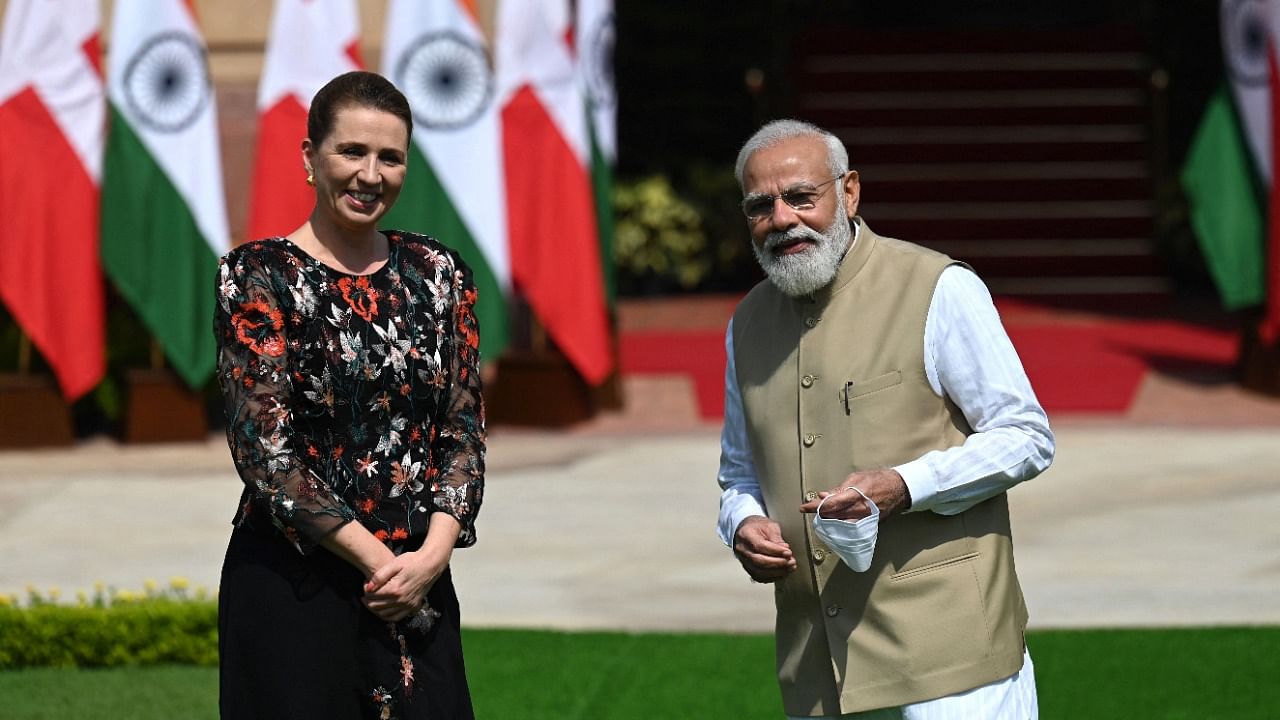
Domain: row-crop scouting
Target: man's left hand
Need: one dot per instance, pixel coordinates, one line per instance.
(886, 489)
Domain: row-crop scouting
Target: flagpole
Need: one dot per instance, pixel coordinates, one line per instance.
(157, 355)
(537, 336)
(24, 353)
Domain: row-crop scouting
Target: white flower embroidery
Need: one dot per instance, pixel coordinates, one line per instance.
(303, 297)
(394, 349)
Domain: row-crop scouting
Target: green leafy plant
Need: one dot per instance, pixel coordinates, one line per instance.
(110, 628)
(659, 243)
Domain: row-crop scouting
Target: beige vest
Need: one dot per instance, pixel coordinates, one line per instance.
(833, 384)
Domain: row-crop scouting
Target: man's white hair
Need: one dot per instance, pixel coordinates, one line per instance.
(778, 130)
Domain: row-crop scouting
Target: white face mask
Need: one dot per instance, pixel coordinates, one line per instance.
(853, 540)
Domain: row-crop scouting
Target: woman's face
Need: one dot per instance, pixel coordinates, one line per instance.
(359, 168)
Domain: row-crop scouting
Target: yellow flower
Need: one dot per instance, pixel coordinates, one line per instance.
(4, 601)
(150, 586)
(82, 598)
(179, 583)
(54, 592)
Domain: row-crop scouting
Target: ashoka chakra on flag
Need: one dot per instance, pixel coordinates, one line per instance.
(598, 63)
(1245, 40)
(446, 78)
(166, 82)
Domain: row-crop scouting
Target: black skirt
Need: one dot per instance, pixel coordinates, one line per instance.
(294, 641)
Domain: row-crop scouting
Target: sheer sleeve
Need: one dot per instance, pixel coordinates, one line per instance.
(258, 401)
(458, 450)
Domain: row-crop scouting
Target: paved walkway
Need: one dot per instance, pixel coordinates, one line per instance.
(611, 525)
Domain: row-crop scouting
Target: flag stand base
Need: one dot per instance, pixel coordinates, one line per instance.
(1259, 368)
(537, 389)
(161, 408)
(34, 414)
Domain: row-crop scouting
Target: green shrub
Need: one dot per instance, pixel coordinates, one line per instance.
(659, 244)
(121, 628)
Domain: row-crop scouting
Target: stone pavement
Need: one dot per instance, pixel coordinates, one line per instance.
(1165, 519)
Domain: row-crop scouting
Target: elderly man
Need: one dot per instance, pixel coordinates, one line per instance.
(870, 385)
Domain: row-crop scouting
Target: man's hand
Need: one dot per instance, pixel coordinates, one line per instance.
(885, 488)
(759, 546)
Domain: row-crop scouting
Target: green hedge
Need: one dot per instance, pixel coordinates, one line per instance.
(122, 629)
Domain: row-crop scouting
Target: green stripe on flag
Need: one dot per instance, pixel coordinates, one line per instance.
(155, 255)
(1226, 211)
(424, 207)
(602, 188)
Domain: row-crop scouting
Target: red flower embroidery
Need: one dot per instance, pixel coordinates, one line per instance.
(399, 534)
(258, 326)
(362, 298)
(381, 535)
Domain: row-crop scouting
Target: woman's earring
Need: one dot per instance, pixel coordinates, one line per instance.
(311, 177)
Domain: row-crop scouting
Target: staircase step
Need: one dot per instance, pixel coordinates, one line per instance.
(1056, 210)
(1049, 228)
(1064, 267)
(1008, 134)
(931, 63)
(964, 80)
(999, 170)
(863, 152)
(1089, 248)
(856, 99)
(834, 111)
(1083, 41)
(1038, 189)
(1118, 286)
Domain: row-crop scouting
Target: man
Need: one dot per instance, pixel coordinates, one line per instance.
(870, 363)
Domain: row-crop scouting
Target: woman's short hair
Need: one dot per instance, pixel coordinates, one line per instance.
(358, 88)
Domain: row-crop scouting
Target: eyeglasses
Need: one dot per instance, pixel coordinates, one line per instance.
(759, 207)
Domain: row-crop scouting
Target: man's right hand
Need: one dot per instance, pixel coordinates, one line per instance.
(759, 546)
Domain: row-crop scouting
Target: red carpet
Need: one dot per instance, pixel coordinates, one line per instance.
(1091, 366)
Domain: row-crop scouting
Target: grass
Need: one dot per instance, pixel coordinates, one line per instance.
(532, 675)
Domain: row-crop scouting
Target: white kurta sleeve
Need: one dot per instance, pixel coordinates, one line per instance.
(970, 359)
(740, 496)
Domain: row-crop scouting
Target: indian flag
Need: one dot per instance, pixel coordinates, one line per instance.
(164, 221)
(551, 217)
(51, 109)
(593, 43)
(436, 54)
(311, 42)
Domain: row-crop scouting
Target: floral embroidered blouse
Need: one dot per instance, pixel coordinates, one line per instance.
(352, 397)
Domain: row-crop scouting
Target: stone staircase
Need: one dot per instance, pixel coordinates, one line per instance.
(1024, 153)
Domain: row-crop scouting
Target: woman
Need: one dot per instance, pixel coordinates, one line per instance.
(348, 361)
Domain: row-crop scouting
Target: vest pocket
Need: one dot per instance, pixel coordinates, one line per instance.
(859, 388)
(904, 574)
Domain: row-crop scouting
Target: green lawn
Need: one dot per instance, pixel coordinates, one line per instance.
(531, 675)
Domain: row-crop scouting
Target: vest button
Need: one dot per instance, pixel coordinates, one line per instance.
(833, 610)
(807, 380)
(810, 496)
(819, 555)
(810, 439)
(811, 322)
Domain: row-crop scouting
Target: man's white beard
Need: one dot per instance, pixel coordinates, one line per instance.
(804, 272)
